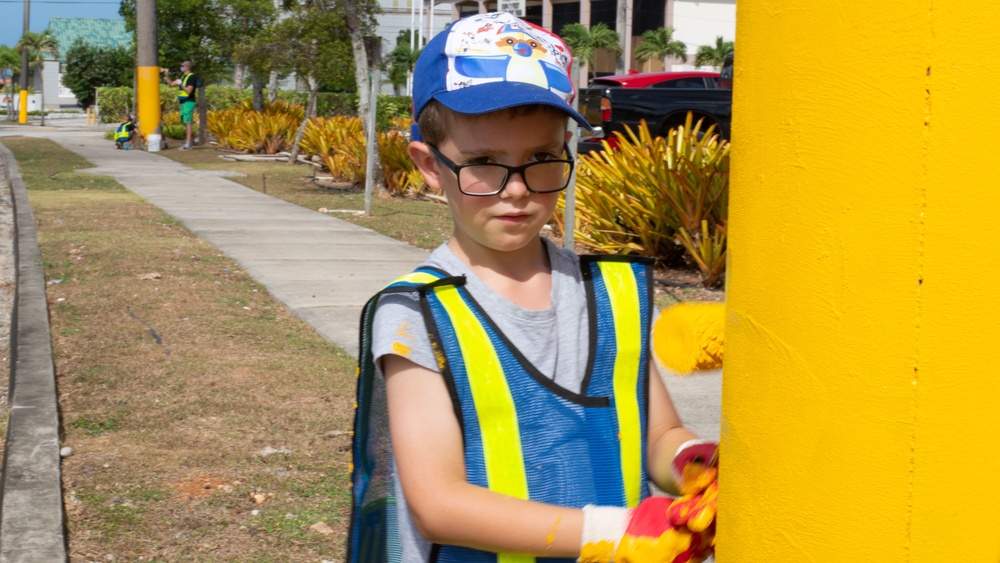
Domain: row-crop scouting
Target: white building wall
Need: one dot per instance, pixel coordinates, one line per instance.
(396, 16)
(699, 22)
(50, 89)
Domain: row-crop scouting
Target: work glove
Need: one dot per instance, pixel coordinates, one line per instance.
(659, 530)
(691, 464)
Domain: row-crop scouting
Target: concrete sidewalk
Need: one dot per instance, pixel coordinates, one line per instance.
(320, 268)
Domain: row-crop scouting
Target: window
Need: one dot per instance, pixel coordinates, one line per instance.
(696, 82)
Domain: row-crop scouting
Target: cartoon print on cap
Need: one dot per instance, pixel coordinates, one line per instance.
(515, 53)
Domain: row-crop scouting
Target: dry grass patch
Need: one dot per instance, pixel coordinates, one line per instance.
(207, 423)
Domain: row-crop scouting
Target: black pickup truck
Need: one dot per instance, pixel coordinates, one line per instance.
(612, 103)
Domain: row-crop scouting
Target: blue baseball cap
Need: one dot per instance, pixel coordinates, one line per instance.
(495, 61)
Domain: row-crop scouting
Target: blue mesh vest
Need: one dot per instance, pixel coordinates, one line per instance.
(524, 436)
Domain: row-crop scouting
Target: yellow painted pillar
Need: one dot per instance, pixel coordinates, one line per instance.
(148, 99)
(22, 114)
(861, 399)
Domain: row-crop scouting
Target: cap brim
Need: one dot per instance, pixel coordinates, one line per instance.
(495, 96)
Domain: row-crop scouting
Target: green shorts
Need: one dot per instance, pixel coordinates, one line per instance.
(187, 112)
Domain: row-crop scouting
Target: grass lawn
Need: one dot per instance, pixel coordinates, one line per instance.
(207, 423)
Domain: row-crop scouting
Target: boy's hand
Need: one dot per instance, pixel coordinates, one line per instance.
(691, 458)
(652, 532)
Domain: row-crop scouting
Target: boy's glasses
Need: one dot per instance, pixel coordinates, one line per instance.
(541, 177)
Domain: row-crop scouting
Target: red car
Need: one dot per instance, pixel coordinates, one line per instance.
(662, 99)
(679, 79)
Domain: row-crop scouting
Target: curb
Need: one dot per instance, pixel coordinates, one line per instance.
(31, 510)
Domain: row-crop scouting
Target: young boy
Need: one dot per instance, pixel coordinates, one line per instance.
(125, 132)
(506, 401)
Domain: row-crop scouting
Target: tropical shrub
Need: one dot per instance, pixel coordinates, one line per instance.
(172, 128)
(245, 130)
(339, 142)
(659, 197)
(401, 176)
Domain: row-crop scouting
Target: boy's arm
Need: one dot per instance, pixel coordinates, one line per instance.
(666, 433)
(446, 509)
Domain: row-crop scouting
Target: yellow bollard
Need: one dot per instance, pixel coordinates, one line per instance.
(859, 408)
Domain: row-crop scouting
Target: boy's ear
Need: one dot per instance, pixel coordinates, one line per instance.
(424, 159)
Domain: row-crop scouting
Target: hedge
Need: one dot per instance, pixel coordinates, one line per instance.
(113, 103)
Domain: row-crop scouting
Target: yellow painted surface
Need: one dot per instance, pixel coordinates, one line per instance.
(22, 113)
(861, 406)
(148, 94)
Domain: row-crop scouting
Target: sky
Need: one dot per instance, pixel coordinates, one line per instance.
(12, 14)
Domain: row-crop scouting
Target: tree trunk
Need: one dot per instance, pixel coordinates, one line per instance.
(238, 74)
(258, 92)
(202, 116)
(361, 66)
(310, 114)
(272, 87)
(41, 92)
(620, 27)
(10, 99)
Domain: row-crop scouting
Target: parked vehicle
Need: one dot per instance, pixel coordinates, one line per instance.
(662, 99)
(681, 79)
(726, 76)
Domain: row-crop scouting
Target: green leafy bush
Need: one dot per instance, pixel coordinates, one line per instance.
(86, 67)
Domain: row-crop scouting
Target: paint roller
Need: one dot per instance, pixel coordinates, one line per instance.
(689, 337)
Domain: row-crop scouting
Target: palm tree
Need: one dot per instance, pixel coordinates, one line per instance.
(708, 55)
(660, 44)
(10, 64)
(584, 43)
(402, 59)
(38, 44)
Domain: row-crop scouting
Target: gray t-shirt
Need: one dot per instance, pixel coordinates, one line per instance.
(554, 340)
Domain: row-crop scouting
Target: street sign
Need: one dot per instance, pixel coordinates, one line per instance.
(515, 7)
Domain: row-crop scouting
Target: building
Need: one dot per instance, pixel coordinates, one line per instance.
(695, 22)
(93, 31)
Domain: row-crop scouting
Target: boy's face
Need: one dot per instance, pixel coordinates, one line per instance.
(512, 219)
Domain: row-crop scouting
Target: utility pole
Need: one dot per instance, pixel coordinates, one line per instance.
(23, 115)
(147, 73)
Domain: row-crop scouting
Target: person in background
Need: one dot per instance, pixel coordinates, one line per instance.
(125, 132)
(186, 85)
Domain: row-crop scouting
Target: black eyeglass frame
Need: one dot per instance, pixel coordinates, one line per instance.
(511, 170)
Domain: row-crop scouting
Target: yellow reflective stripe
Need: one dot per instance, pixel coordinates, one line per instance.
(624, 295)
(498, 424)
(416, 277)
(501, 434)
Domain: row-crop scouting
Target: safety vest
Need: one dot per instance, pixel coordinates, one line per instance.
(124, 131)
(182, 95)
(523, 435)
